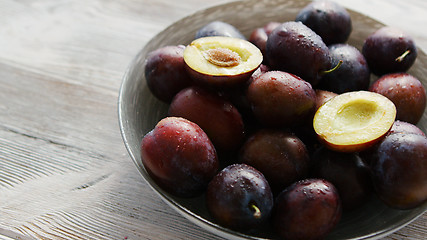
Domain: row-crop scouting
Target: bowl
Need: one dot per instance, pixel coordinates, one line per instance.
(139, 111)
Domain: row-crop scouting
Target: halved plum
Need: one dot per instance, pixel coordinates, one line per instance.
(354, 121)
(221, 61)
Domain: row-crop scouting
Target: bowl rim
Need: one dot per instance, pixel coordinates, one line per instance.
(185, 212)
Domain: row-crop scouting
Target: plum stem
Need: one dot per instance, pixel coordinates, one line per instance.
(401, 57)
(333, 69)
(257, 212)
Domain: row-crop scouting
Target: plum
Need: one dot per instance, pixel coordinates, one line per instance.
(349, 174)
(237, 95)
(389, 50)
(270, 26)
(179, 157)
(323, 96)
(220, 119)
(281, 156)
(328, 19)
(406, 92)
(352, 75)
(259, 36)
(399, 170)
(219, 28)
(281, 99)
(398, 127)
(239, 197)
(293, 47)
(405, 127)
(165, 72)
(307, 210)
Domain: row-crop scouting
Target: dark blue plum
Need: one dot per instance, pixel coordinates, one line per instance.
(389, 50)
(352, 75)
(328, 19)
(349, 174)
(239, 197)
(295, 48)
(399, 170)
(219, 28)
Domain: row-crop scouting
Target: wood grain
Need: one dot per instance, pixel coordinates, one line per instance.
(64, 171)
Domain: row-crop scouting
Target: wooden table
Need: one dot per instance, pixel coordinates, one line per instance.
(64, 171)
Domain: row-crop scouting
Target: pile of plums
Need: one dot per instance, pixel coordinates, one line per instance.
(285, 128)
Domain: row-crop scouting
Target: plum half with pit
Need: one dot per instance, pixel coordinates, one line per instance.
(307, 210)
(389, 50)
(219, 28)
(352, 75)
(281, 99)
(399, 170)
(295, 48)
(221, 62)
(406, 92)
(354, 121)
(219, 118)
(281, 156)
(179, 157)
(165, 72)
(239, 197)
(328, 19)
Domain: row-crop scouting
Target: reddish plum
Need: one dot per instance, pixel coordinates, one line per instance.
(307, 210)
(281, 156)
(259, 36)
(281, 99)
(219, 118)
(179, 156)
(406, 92)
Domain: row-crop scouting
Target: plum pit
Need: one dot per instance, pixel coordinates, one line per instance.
(222, 57)
(221, 61)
